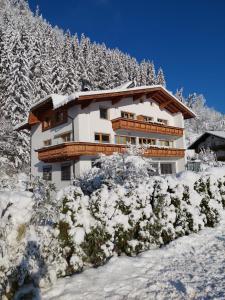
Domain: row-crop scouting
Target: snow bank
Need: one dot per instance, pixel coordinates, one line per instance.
(191, 267)
(120, 211)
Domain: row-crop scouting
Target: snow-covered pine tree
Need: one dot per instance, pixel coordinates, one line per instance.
(160, 78)
(179, 95)
(151, 80)
(69, 80)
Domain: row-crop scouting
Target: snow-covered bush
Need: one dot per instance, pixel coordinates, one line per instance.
(130, 167)
(208, 159)
(86, 229)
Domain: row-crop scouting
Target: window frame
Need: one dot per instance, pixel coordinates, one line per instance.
(47, 176)
(63, 177)
(148, 139)
(148, 117)
(47, 143)
(129, 114)
(68, 134)
(166, 165)
(170, 143)
(162, 121)
(100, 137)
(107, 113)
(50, 120)
(125, 136)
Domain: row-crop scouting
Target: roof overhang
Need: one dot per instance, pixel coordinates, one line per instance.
(162, 96)
(159, 94)
(202, 137)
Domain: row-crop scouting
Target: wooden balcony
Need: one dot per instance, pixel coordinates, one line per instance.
(73, 150)
(142, 126)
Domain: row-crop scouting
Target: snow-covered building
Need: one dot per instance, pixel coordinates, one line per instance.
(69, 132)
(214, 140)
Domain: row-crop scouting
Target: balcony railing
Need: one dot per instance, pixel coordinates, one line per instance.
(73, 150)
(147, 127)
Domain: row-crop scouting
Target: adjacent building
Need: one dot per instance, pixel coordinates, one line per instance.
(214, 140)
(69, 132)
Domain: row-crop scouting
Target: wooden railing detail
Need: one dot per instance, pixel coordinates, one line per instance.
(137, 125)
(72, 150)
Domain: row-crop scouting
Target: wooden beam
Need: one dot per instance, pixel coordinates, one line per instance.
(151, 94)
(33, 119)
(163, 105)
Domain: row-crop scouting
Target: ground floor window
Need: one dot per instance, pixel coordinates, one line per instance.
(47, 173)
(194, 166)
(66, 172)
(95, 163)
(166, 168)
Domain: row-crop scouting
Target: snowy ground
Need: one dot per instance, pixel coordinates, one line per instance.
(191, 267)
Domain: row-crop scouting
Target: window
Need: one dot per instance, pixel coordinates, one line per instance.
(122, 139)
(59, 117)
(53, 119)
(103, 113)
(63, 138)
(166, 168)
(165, 122)
(47, 143)
(147, 119)
(47, 123)
(65, 172)
(127, 115)
(146, 141)
(66, 137)
(47, 173)
(165, 143)
(102, 138)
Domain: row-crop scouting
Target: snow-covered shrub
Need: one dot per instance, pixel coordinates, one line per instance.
(87, 229)
(212, 198)
(129, 167)
(45, 204)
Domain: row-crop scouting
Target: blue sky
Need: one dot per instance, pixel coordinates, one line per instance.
(185, 37)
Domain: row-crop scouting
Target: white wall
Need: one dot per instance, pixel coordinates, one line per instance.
(87, 122)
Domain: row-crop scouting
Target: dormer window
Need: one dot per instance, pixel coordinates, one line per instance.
(127, 115)
(47, 123)
(53, 119)
(59, 117)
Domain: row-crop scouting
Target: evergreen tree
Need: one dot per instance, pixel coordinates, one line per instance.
(160, 78)
(151, 80)
(179, 95)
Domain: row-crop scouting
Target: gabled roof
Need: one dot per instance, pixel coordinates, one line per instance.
(158, 93)
(220, 134)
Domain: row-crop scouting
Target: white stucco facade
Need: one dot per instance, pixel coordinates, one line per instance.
(87, 122)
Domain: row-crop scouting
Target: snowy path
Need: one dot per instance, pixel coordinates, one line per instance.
(189, 268)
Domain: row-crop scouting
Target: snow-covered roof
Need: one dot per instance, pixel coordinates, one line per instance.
(220, 134)
(60, 100)
(21, 126)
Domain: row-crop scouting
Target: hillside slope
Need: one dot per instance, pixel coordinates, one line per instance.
(191, 267)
